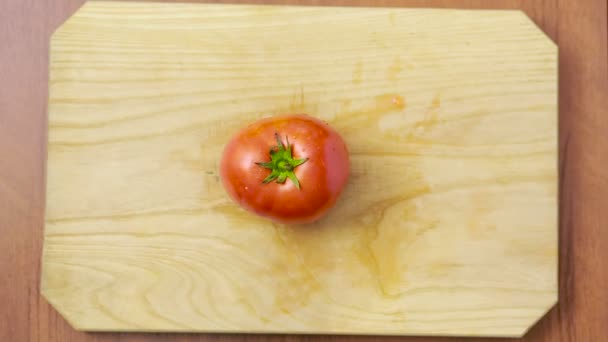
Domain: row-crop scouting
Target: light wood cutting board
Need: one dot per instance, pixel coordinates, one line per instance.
(447, 227)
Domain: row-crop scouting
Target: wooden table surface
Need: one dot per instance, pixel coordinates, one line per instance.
(579, 27)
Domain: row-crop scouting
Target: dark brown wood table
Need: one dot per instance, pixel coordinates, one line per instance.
(579, 27)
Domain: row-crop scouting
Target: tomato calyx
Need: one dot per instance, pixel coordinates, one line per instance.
(282, 163)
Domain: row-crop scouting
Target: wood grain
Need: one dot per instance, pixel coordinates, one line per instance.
(25, 27)
(448, 225)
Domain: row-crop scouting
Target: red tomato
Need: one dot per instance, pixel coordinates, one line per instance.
(290, 169)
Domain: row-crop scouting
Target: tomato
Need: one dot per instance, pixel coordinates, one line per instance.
(290, 169)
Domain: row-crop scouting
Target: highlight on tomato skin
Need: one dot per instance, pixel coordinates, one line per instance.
(289, 169)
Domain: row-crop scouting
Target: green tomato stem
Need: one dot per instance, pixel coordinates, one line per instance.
(282, 163)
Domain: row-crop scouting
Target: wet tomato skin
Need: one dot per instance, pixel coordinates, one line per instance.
(322, 177)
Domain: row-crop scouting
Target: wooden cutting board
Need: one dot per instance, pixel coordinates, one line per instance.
(447, 227)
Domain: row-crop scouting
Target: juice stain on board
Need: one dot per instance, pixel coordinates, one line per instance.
(363, 243)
